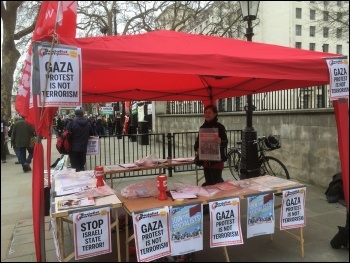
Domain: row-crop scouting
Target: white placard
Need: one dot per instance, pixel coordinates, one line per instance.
(339, 78)
(57, 82)
(293, 208)
(225, 222)
(93, 147)
(92, 233)
(151, 230)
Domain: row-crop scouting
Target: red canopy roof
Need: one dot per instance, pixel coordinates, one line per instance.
(168, 65)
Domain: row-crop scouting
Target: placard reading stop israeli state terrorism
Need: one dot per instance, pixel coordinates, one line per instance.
(151, 230)
(92, 233)
(93, 147)
(57, 72)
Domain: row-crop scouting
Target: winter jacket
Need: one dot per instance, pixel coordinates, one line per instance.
(81, 131)
(21, 133)
(223, 145)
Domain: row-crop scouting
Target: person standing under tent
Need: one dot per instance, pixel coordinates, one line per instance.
(213, 169)
(81, 130)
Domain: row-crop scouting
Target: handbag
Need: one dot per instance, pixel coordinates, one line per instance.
(32, 141)
(197, 161)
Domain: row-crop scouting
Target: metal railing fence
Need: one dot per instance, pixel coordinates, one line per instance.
(303, 98)
(121, 149)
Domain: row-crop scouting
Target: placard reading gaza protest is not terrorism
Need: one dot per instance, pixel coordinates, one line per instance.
(57, 75)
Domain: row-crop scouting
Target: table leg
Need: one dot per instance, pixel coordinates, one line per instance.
(126, 238)
(301, 243)
(60, 236)
(117, 234)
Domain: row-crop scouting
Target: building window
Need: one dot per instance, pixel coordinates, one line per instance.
(325, 48)
(325, 15)
(298, 30)
(229, 104)
(297, 44)
(298, 12)
(312, 46)
(339, 49)
(339, 17)
(312, 14)
(339, 32)
(320, 101)
(306, 101)
(222, 105)
(312, 31)
(238, 103)
(325, 32)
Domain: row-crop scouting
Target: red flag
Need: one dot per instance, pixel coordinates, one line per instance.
(62, 19)
(268, 197)
(194, 210)
(49, 16)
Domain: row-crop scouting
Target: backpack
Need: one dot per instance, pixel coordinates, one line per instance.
(335, 191)
(63, 144)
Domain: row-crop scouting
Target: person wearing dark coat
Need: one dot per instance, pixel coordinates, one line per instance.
(81, 130)
(21, 134)
(213, 169)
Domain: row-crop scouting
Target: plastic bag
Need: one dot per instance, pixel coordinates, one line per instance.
(147, 161)
(146, 188)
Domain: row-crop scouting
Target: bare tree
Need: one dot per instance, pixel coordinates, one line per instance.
(96, 18)
(333, 15)
(18, 24)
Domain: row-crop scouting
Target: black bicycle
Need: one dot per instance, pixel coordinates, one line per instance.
(268, 164)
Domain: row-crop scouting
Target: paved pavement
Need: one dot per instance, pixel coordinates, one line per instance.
(322, 219)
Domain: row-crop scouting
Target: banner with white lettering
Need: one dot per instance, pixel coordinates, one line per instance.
(225, 222)
(57, 82)
(260, 215)
(293, 208)
(92, 233)
(339, 77)
(93, 147)
(186, 228)
(107, 111)
(151, 231)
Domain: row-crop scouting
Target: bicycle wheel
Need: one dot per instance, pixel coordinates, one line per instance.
(234, 163)
(273, 166)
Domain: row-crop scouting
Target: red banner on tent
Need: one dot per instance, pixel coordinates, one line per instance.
(55, 17)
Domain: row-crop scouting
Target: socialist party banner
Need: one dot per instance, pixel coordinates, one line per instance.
(186, 228)
(56, 78)
(260, 215)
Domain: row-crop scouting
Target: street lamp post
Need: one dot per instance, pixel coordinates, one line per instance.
(117, 112)
(249, 160)
(115, 12)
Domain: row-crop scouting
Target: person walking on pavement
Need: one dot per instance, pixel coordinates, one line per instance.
(15, 149)
(81, 130)
(4, 138)
(20, 137)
